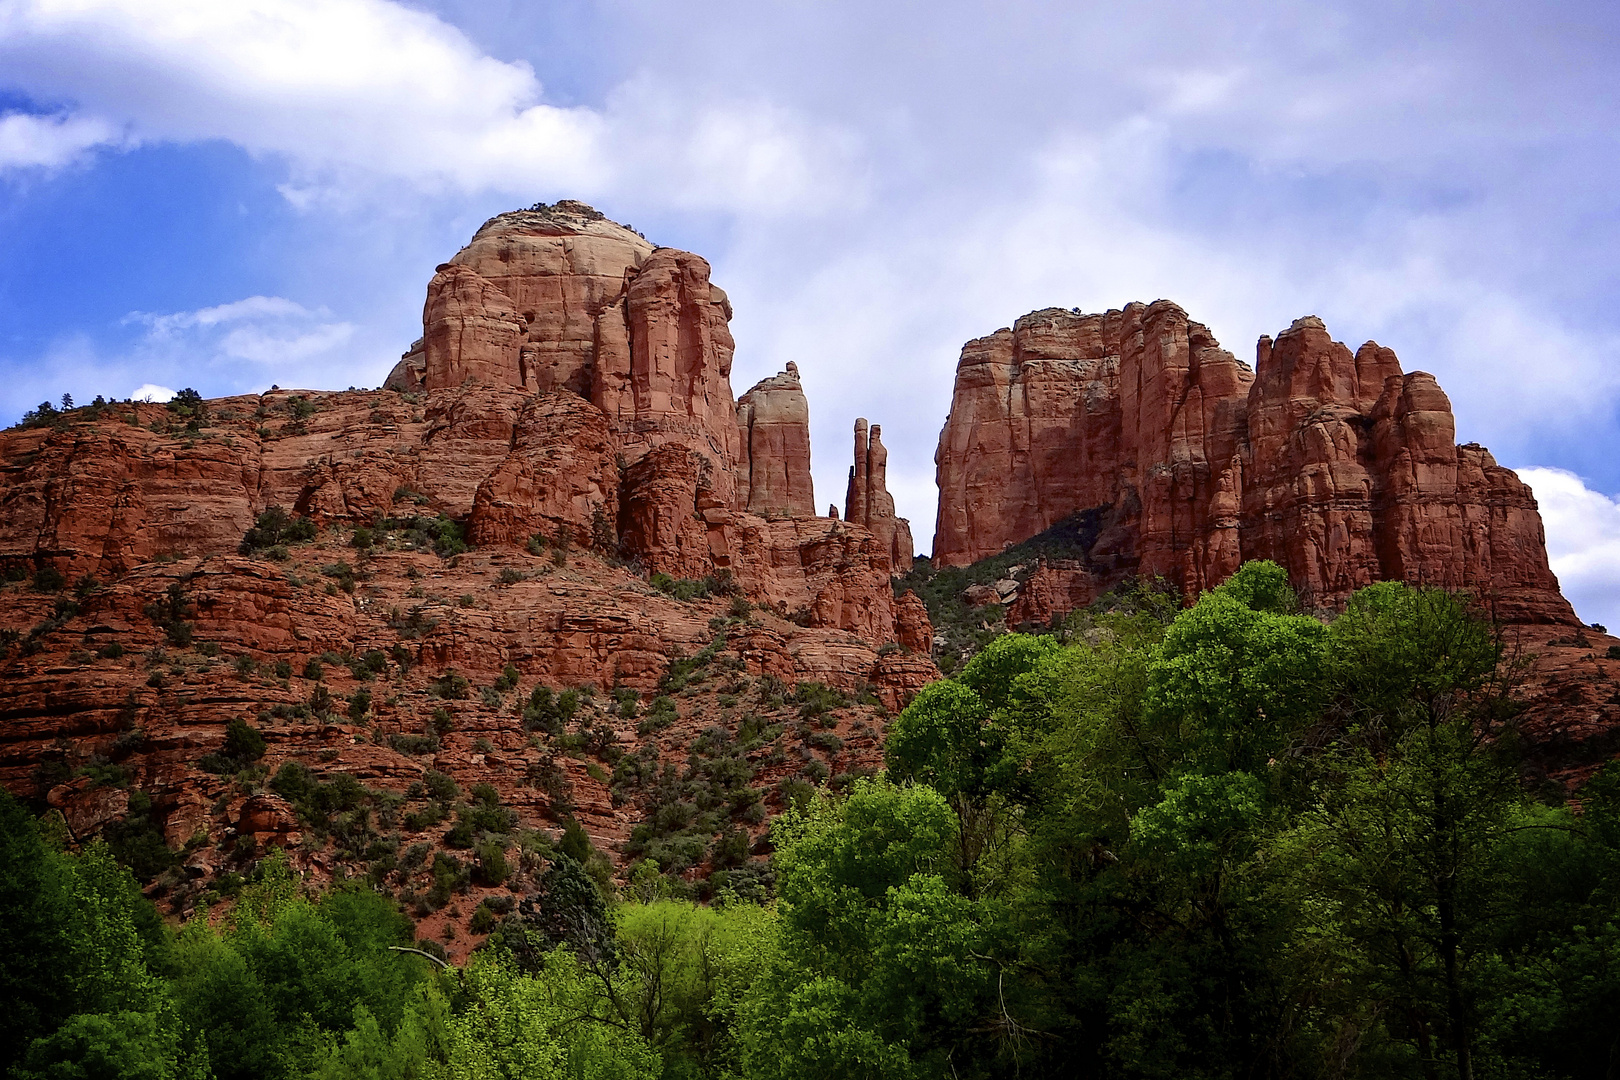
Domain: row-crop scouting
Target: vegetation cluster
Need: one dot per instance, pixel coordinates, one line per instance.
(1227, 841)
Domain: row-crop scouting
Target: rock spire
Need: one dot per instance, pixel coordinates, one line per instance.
(868, 503)
(774, 421)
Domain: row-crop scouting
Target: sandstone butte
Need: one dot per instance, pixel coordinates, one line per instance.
(569, 410)
(1176, 460)
(1141, 448)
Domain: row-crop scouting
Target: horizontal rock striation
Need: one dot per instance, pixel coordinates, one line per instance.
(1186, 462)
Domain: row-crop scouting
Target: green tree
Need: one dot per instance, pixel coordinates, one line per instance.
(1233, 684)
(71, 935)
(127, 1045)
(883, 969)
(1397, 866)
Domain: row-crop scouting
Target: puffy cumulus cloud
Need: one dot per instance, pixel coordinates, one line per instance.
(151, 392)
(1583, 541)
(355, 92)
(329, 84)
(34, 141)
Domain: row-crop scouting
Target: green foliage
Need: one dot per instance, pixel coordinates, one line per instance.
(171, 613)
(342, 574)
(687, 589)
(242, 741)
(452, 685)
(275, 527)
(1234, 684)
(70, 943)
(550, 712)
(44, 414)
(128, 1045)
(48, 579)
(1222, 842)
(442, 535)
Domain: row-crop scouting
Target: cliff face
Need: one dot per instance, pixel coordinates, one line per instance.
(561, 299)
(1186, 463)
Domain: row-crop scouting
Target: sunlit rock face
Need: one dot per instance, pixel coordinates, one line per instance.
(1184, 463)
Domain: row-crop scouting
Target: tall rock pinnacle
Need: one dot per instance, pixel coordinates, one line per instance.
(868, 503)
(774, 421)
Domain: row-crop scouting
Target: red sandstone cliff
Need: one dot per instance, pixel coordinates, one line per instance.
(1187, 463)
(562, 299)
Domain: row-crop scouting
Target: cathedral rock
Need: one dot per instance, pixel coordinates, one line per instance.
(1166, 456)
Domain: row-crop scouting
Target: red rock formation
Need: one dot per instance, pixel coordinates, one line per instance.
(572, 384)
(672, 382)
(518, 305)
(774, 421)
(660, 520)
(1185, 464)
(868, 502)
(471, 332)
(560, 474)
(149, 511)
(912, 628)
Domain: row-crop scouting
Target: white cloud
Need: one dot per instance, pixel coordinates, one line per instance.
(49, 142)
(1583, 541)
(253, 307)
(351, 92)
(273, 331)
(151, 392)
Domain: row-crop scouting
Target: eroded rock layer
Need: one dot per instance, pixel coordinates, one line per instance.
(1184, 463)
(555, 489)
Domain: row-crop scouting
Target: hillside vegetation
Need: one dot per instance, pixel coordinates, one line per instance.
(1227, 841)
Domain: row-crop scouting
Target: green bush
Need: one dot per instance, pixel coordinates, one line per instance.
(274, 528)
(48, 579)
(451, 686)
(548, 712)
(440, 786)
(414, 744)
(492, 868)
(242, 741)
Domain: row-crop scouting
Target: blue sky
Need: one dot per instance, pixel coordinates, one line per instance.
(229, 195)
